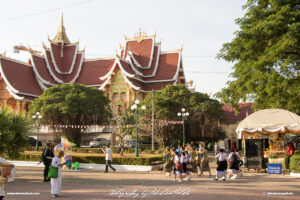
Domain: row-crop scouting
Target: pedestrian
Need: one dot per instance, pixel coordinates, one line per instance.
(222, 164)
(4, 175)
(205, 163)
(56, 183)
(193, 155)
(178, 167)
(216, 148)
(198, 162)
(108, 158)
(179, 150)
(201, 150)
(47, 156)
(184, 159)
(233, 162)
(168, 166)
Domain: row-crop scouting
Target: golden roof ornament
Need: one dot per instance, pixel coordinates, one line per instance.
(140, 36)
(61, 36)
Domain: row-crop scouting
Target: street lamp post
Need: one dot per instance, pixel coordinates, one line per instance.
(135, 107)
(38, 117)
(184, 116)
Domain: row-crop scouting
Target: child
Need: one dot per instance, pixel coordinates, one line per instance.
(184, 161)
(68, 160)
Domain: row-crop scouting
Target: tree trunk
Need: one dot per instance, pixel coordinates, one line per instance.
(122, 146)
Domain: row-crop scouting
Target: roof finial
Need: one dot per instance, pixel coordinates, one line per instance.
(61, 36)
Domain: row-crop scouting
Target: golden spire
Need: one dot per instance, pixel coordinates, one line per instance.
(61, 36)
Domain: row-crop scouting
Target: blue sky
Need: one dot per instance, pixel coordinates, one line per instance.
(201, 26)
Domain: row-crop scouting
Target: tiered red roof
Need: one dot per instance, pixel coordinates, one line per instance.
(143, 65)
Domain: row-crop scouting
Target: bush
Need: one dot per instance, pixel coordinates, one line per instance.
(295, 163)
(98, 159)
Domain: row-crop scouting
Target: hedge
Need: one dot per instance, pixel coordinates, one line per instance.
(295, 162)
(99, 159)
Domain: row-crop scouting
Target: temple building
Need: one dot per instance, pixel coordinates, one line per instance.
(140, 68)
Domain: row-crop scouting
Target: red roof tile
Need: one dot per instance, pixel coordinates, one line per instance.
(92, 71)
(144, 50)
(63, 59)
(20, 77)
(229, 113)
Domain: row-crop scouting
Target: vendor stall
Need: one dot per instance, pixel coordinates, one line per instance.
(272, 124)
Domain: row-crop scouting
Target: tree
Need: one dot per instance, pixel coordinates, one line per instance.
(14, 131)
(204, 114)
(72, 104)
(121, 130)
(266, 56)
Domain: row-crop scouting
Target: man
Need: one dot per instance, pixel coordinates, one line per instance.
(48, 155)
(108, 158)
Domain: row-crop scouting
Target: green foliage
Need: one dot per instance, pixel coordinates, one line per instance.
(99, 159)
(72, 104)
(295, 162)
(204, 114)
(266, 56)
(14, 131)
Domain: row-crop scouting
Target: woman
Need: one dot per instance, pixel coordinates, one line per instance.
(233, 161)
(178, 167)
(204, 162)
(198, 162)
(168, 166)
(184, 159)
(193, 154)
(222, 164)
(56, 182)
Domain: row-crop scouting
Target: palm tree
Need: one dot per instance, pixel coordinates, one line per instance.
(14, 130)
(20, 127)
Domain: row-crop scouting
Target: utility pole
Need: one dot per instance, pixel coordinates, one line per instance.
(152, 119)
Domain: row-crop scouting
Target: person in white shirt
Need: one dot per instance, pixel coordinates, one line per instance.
(108, 158)
(56, 182)
(222, 164)
(2, 186)
(233, 161)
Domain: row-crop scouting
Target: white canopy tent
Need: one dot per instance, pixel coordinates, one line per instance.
(269, 121)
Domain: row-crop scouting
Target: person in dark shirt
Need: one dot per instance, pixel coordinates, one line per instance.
(47, 156)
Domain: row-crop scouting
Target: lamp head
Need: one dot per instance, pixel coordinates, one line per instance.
(178, 114)
(183, 109)
(137, 101)
(143, 107)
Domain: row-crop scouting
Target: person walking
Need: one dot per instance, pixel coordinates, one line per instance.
(222, 164)
(168, 166)
(178, 167)
(205, 163)
(216, 148)
(233, 161)
(47, 156)
(57, 182)
(108, 158)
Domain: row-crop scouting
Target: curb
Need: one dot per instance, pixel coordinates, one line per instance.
(87, 166)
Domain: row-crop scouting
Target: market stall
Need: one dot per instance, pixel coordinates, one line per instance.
(272, 124)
